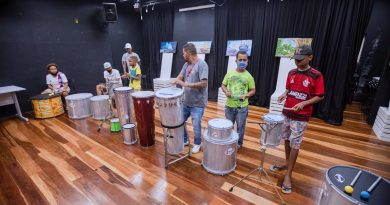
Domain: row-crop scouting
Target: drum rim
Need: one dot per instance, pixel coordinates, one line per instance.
(340, 191)
(218, 128)
(86, 96)
(122, 90)
(274, 121)
(176, 95)
(102, 97)
(233, 137)
(135, 94)
(49, 96)
(115, 120)
(128, 124)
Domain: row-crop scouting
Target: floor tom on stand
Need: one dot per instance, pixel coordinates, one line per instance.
(100, 107)
(272, 129)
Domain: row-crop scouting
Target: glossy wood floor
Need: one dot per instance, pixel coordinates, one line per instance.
(64, 161)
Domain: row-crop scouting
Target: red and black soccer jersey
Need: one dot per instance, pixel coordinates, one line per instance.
(302, 86)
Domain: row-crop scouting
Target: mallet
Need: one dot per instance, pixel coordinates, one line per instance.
(349, 189)
(366, 194)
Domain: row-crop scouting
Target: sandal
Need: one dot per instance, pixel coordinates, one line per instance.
(276, 168)
(286, 190)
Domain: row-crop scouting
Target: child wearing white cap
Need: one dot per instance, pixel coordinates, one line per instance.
(126, 56)
(112, 77)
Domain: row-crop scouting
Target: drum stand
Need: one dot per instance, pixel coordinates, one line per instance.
(261, 169)
(167, 135)
(109, 114)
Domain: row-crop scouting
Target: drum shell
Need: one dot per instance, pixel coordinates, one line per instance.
(46, 108)
(115, 125)
(100, 108)
(124, 106)
(219, 133)
(145, 120)
(129, 134)
(219, 157)
(79, 108)
(171, 110)
(175, 143)
(273, 130)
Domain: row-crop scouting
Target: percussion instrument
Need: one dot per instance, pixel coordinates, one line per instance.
(144, 104)
(111, 87)
(100, 107)
(46, 105)
(129, 134)
(170, 104)
(338, 177)
(124, 104)
(349, 189)
(78, 105)
(272, 129)
(115, 125)
(219, 156)
(220, 129)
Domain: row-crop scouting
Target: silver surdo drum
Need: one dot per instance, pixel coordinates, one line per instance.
(272, 129)
(129, 134)
(220, 129)
(219, 156)
(124, 104)
(100, 107)
(364, 187)
(170, 104)
(78, 105)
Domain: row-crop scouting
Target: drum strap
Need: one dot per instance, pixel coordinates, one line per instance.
(172, 127)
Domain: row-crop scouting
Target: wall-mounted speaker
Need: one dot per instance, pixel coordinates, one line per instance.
(110, 13)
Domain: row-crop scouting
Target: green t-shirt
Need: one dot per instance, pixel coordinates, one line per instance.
(238, 83)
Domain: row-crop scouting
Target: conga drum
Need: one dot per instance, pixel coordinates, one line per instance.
(143, 104)
(368, 188)
(46, 106)
(79, 105)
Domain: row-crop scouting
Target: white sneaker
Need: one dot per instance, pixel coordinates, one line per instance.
(195, 149)
(186, 143)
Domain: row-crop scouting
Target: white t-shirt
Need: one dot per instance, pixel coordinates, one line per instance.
(113, 76)
(125, 58)
(56, 81)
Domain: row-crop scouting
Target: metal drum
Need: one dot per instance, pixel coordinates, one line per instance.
(272, 129)
(124, 104)
(100, 107)
(129, 134)
(46, 105)
(115, 125)
(219, 157)
(170, 104)
(338, 177)
(144, 104)
(78, 105)
(220, 129)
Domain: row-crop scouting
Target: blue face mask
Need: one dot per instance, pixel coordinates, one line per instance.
(242, 65)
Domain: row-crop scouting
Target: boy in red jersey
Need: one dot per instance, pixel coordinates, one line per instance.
(304, 87)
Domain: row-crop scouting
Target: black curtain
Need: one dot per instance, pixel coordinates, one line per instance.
(157, 26)
(337, 28)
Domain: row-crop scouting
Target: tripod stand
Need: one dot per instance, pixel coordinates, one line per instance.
(261, 169)
(110, 114)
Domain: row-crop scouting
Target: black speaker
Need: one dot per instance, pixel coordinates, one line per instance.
(110, 14)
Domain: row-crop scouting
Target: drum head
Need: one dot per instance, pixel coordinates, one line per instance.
(123, 89)
(128, 126)
(143, 94)
(171, 92)
(99, 98)
(78, 96)
(220, 123)
(273, 118)
(114, 120)
(341, 176)
(44, 96)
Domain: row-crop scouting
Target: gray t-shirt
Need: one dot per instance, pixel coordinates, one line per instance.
(195, 97)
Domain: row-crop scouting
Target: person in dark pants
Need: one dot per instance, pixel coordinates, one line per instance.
(238, 85)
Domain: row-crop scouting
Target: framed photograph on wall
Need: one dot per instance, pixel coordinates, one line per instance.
(202, 47)
(285, 47)
(233, 46)
(168, 47)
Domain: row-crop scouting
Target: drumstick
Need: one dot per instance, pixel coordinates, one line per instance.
(349, 189)
(366, 194)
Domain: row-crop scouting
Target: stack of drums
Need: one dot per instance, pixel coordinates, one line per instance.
(78, 105)
(46, 106)
(220, 147)
(100, 107)
(170, 104)
(143, 103)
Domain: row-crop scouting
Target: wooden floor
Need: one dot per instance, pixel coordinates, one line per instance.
(64, 161)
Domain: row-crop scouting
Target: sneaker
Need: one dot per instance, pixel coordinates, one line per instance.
(186, 143)
(195, 149)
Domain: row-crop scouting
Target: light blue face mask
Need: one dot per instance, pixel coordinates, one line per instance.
(242, 65)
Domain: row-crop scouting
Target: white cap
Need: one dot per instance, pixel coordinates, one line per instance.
(127, 45)
(107, 65)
